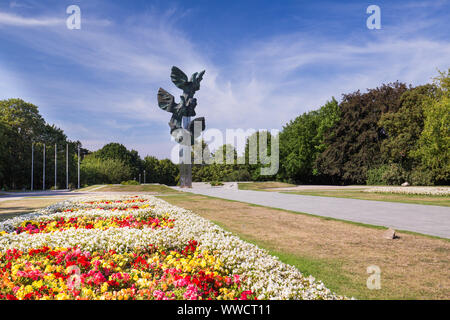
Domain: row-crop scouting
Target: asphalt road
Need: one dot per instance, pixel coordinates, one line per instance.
(425, 219)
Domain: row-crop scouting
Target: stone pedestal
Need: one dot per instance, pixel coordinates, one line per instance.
(185, 159)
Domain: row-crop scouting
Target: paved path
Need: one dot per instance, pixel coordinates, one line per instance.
(7, 196)
(426, 219)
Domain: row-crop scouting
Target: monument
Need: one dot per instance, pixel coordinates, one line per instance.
(182, 128)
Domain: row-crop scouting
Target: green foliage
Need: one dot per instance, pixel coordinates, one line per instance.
(260, 156)
(433, 152)
(303, 139)
(118, 151)
(21, 125)
(130, 183)
(353, 144)
(216, 183)
(3, 149)
(404, 127)
(240, 174)
(160, 171)
(420, 177)
(375, 176)
(387, 174)
(95, 170)
(228, 170)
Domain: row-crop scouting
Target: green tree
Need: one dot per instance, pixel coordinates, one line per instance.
(302, 139)
(120, 152)
(25, 127)
(3, 149)
(96, 170)
(404, 127)
(169, 172)
(354, 143)
(433, 150)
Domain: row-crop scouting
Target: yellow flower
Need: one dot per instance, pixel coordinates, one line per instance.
(104, 287)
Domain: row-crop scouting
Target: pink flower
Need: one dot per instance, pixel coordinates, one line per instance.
(191, 292)
(158, 294)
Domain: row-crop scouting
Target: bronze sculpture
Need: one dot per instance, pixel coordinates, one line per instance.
(182, 128)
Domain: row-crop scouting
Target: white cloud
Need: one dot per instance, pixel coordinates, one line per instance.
(10, 19)
(268, 83)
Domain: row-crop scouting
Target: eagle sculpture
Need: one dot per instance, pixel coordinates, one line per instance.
(185, 108)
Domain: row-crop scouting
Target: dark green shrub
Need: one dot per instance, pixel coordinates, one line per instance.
(388, 174)
(130, 183)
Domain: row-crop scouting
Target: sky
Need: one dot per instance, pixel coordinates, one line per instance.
(266, 62)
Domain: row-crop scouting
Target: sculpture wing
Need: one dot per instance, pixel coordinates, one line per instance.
(195, 79)
(166, 101)
(179, 78)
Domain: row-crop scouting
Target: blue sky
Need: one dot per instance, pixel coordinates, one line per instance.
(266, 61)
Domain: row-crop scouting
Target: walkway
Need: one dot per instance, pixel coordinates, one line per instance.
(425, 219)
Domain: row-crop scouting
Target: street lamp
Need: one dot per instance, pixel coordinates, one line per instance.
(78, 166)
(32, 165)
(43, 170)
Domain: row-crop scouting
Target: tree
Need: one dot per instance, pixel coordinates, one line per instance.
(433, 150)
(169, 172)
(24, 127)
(403, 129)
(3, 149)
(353, 144)
(120, 152)
(96, 170)
(302, 139)
(152, 172)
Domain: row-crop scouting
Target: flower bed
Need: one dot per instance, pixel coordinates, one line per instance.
(138, 248)
(432, 191)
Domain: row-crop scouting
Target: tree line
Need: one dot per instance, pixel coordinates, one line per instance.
(386, 135)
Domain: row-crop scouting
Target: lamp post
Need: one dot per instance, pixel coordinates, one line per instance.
(78, 166)
(43, 170)
(144, 176)
(56, 166)
(67, 166)
(32, 165)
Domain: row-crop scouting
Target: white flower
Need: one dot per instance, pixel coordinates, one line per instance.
(260, 272)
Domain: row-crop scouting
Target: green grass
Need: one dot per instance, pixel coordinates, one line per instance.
(89, 188)
(376, 196)
(263, 185)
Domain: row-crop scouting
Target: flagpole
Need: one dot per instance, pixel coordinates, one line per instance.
(43, 170)
(32, 165)
(67, 166)
(56, 165)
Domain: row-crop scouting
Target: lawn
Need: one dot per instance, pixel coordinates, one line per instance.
(391, 197)
(90, 188)
(12, 208)
(263, 185)
(336, 252)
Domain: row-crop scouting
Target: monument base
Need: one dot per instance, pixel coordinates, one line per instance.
(185, 175)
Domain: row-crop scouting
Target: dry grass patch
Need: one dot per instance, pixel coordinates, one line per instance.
(12, 208)
(336, 252)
